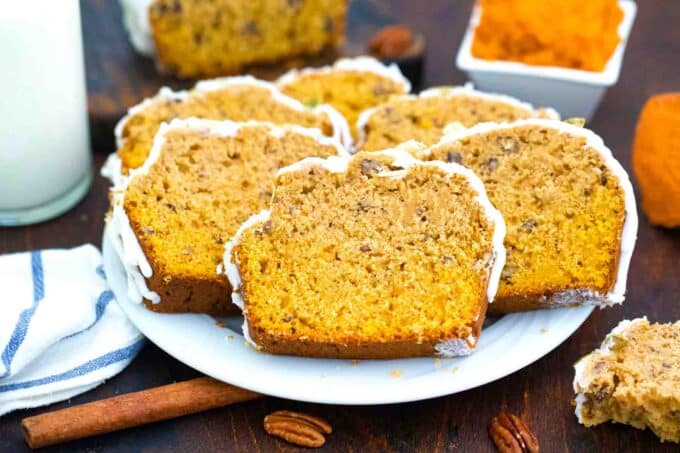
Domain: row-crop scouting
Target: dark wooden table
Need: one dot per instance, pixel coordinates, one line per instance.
(541, 393)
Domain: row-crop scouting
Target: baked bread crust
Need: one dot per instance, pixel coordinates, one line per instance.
(393, 350)
(189, 294)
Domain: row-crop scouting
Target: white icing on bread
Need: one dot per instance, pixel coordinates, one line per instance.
(452, 91)
(630, 226)
(358, 64)
(401, 157)
(127, 246)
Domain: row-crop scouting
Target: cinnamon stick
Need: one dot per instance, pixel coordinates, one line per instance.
(132, 409)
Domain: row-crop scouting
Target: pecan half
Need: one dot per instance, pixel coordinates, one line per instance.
(391, 42)
(512, 435)
(299, 429)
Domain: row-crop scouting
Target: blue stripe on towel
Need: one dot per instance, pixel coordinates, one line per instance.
(37, 271)
(25, 316)
(99, 309)
(100, 271)
(102, 361)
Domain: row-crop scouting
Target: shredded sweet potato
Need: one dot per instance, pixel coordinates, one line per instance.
(574, 34)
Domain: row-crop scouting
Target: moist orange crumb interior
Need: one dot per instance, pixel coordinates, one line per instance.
(363, 257)
(424, 118)
(349, 92)
(236, 102)
(563, 208)
(197, 194)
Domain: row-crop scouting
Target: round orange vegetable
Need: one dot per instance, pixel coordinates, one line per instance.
(656, 159)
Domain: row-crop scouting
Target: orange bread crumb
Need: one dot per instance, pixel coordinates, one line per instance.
(568, 205)
(349, 85)
(574, 34)
(203, 179)
(232, 98)
(424, 117)
(656, 159)
(376, 256)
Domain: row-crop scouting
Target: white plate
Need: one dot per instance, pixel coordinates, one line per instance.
(505, 346)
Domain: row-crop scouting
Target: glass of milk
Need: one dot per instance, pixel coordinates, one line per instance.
(45, 165)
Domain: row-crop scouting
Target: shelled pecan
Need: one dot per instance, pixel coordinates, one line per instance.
(512, 435)
(299, 429)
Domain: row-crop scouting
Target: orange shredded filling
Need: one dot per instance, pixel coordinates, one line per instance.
(573, 34)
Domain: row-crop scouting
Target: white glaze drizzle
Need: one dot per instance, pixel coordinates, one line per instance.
(341, 130)
(358, 64)
(231, 269)
(456, 347)
(126, 244)
(164, 94)
(137, 266)
(136, 22)
(340, 127)
(113, 169)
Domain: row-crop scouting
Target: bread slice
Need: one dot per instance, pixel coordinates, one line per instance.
(198, 38)
(423, 117)
(633, 378)
(375, 256)
(568, 204)
(172, 216)
(350, 85)
(233, 98)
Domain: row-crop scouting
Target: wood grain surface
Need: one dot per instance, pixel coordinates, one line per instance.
(540, 393)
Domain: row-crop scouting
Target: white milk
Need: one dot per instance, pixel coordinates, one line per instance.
(44, 138)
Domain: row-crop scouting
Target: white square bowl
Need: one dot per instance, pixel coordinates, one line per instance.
(572, 92)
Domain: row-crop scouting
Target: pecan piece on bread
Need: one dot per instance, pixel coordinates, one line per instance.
(511, 434)
(299, 429)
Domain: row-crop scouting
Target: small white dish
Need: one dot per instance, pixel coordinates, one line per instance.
(505, 346)
(572, 92)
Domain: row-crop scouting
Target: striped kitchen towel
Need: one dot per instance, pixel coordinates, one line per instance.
(61, 331)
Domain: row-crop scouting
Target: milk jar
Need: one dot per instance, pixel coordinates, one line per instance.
(45, 165)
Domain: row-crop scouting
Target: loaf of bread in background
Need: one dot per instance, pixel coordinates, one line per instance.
(197, 38)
